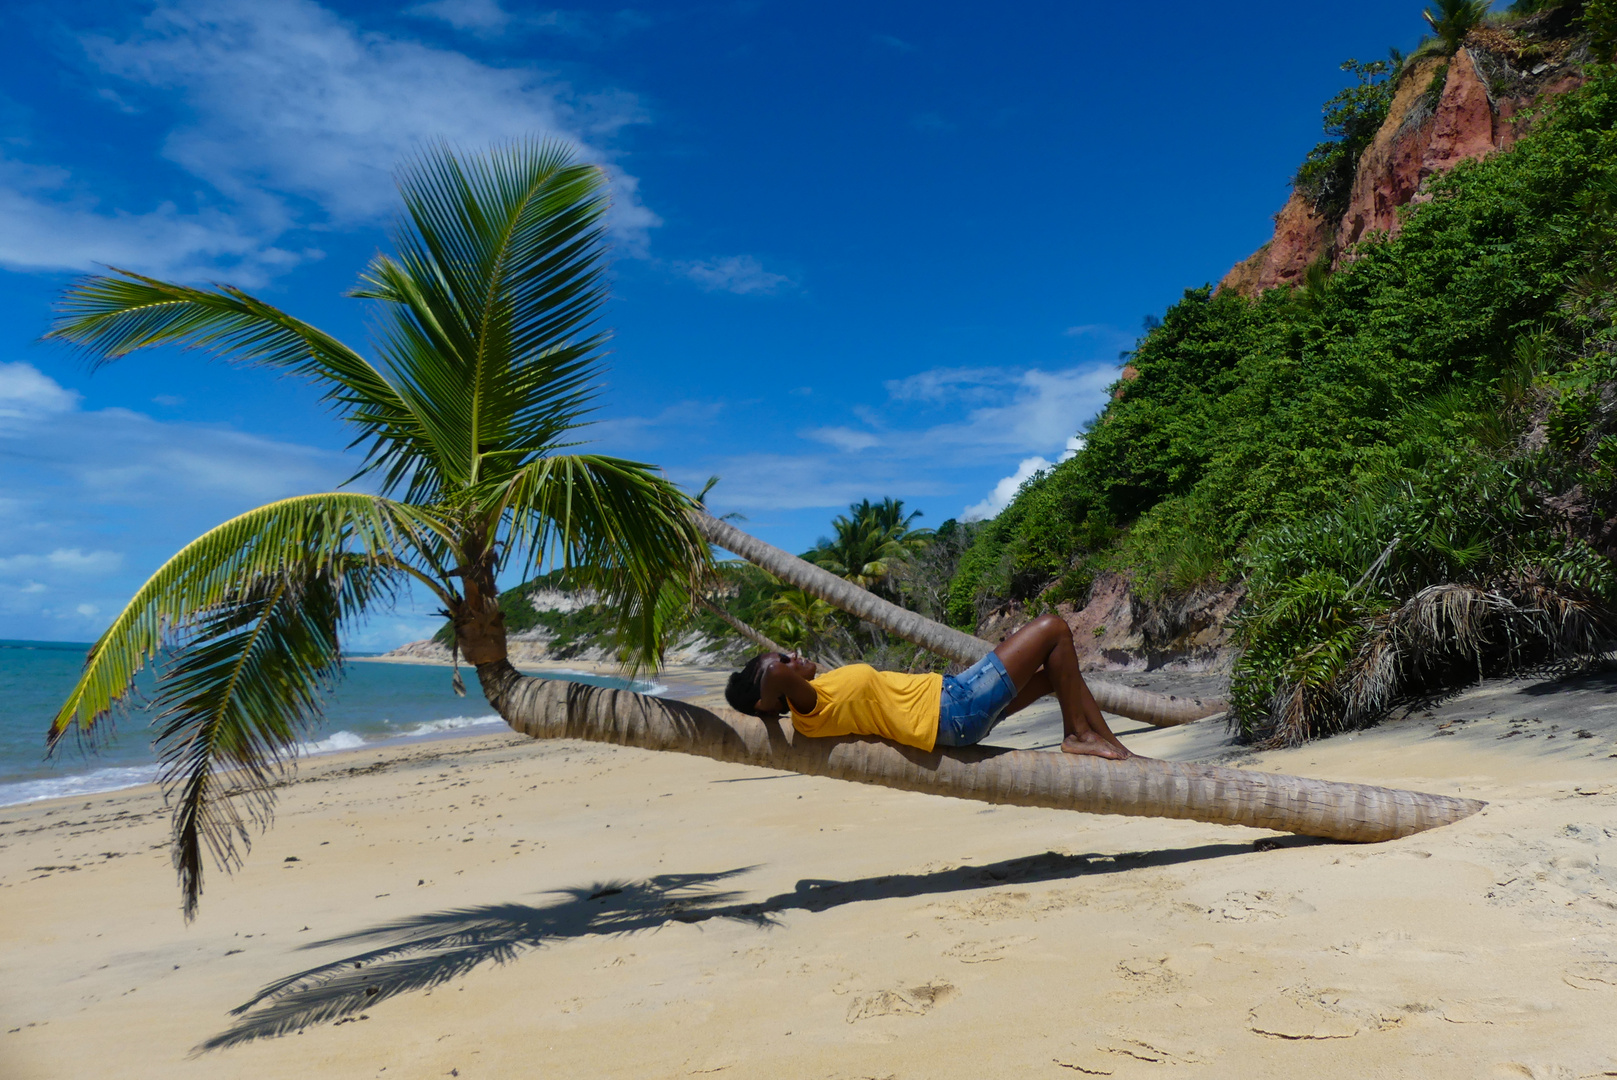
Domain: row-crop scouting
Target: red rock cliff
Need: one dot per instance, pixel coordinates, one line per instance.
(1488, 85)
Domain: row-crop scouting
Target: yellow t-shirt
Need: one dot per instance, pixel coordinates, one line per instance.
(859, 700)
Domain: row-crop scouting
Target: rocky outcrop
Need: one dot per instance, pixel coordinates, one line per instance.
(1116, 630)
(1486, 89)
(1390, 169)
(1301, 235)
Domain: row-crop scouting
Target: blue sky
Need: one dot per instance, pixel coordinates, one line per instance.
(860, 249)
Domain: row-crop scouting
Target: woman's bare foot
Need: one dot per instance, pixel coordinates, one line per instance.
(1092, 745)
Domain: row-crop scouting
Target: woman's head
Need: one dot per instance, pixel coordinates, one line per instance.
(745, 686)
(745, 691)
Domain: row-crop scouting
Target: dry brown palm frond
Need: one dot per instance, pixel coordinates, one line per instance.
(1442, 637)
(1373, 681)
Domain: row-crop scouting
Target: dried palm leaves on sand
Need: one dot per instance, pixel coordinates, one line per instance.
(1444, 636)
(1426, 587)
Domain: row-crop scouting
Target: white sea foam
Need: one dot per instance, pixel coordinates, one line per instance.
(350, 740)
(337, 740)
(56, 787)
(453, 723)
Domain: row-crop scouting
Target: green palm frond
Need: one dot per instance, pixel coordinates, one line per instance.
(245, 686)
(799, 619)
(108, 318)
(1453, 19)
(488, 310)
(213, 570)
(617, 526)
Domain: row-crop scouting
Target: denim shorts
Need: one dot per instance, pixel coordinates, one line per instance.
(972, 702)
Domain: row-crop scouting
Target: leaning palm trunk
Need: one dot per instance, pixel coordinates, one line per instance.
(551, 709)
(757, 637)
(1160, 710)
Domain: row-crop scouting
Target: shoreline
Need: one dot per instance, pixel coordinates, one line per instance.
(683, 681)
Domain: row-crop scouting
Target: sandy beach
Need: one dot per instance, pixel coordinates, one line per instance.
(499, 907)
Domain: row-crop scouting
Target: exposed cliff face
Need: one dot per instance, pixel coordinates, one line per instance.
(1487, 87)
(1300, 236)
(1116, 630)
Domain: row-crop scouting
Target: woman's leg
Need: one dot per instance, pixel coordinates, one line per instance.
(1040, 658)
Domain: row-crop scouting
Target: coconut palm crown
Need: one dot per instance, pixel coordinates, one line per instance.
(1450, 23)
(486, 350)
(869, 538)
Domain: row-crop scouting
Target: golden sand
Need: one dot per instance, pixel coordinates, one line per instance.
(496, 907)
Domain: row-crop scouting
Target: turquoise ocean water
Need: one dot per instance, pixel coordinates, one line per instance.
(375, 703)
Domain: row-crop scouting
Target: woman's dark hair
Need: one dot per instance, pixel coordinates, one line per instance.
(745, 686)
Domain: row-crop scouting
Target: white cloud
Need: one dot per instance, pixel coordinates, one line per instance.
(845, 439)
(140, 459)
(766, 481)
(287, 97)
(27, 394)
(1027, 416)
(70, 478)
(1005, 490)
(46, 224)
(741, 274)
(295, 117)
(683, 421)
(942, 384)
(67, 560)
(478, 16)
(1036, 411)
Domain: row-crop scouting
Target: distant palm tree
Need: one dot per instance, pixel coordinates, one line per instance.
(487, 351)
(1452, 21)
(868, 540)
(799, 619)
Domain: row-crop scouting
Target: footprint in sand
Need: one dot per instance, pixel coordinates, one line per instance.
(1122, 1047)
(984, 952)
(1262, 906)
(1290, 1018)
(914, 1001)
(1592, 975)
(1145, 975)
(1541, 1071)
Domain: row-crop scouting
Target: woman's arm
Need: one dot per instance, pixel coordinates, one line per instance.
(783, 683)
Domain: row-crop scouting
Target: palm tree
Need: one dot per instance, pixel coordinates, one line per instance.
(1451, 22)
(552, 709)
(868, 539)
(486, 350)
(798, 618)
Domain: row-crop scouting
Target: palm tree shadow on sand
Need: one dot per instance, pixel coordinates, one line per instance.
(428, 950)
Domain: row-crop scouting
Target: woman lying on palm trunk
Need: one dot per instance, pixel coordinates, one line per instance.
(927, 711)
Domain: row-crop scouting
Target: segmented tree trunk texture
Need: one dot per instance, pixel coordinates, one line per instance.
(553, 709)
(1160, 710)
